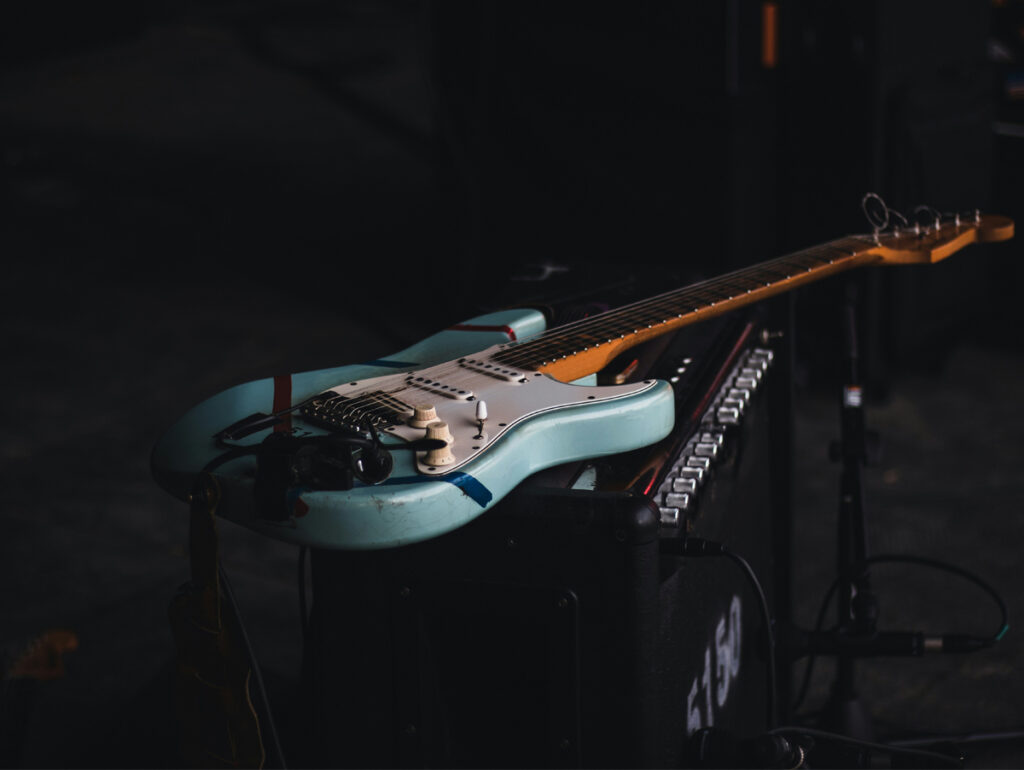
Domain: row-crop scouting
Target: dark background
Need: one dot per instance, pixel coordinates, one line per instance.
(199, 194)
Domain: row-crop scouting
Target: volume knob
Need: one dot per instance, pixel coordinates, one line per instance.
(422, 416)
(442, 456)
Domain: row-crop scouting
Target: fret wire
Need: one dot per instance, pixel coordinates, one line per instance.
(639, 314)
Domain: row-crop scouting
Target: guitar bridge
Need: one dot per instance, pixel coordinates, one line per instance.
(332, 410)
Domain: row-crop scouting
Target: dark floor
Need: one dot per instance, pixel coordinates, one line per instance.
(131, 292)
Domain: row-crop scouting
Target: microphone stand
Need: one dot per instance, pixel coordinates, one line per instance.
(858, 606)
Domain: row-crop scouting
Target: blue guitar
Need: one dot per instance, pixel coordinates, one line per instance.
(397, 451)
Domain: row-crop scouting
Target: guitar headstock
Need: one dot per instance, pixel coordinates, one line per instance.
(932, 236)
(921, 243)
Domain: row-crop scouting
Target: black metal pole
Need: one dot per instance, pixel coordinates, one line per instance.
(856, 606)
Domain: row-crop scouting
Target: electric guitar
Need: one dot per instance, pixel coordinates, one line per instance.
(395, 451)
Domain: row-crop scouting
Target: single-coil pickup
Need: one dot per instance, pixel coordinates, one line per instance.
(492, 369)
(441, 388)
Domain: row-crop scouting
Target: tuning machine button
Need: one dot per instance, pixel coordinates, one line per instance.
(442, 456)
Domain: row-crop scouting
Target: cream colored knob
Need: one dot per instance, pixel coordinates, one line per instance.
(442, 456)
(422, 416)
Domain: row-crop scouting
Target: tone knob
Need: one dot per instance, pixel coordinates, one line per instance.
(422, 416)
(442, 456)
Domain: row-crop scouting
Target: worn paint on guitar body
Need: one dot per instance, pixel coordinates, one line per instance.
(558, 423)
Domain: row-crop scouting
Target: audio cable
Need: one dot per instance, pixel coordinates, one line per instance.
(945, 643)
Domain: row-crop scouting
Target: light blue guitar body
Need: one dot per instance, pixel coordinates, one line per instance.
(543, 423)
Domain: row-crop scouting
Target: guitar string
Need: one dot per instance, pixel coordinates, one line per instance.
(701, 295)
(605, 327)
(705, 294)
(698, 295)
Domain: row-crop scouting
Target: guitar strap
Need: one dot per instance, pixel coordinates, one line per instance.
(217, 719)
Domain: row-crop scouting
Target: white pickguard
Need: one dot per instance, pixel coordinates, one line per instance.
(455, 387)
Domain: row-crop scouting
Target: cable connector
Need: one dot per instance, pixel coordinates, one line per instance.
(955, 643)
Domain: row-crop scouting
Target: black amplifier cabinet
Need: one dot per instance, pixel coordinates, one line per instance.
(554, 631)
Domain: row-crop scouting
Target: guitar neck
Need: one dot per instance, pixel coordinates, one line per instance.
(585, 347)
